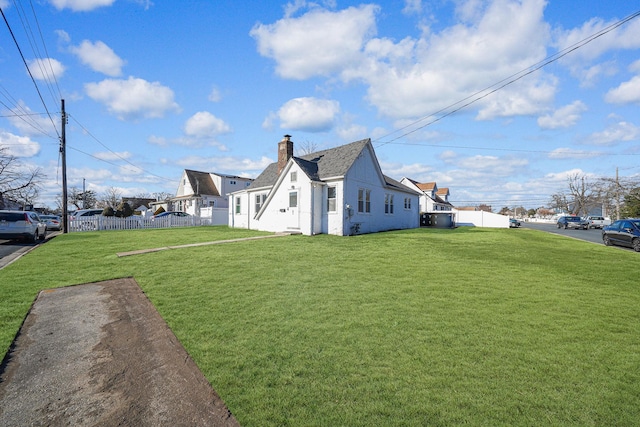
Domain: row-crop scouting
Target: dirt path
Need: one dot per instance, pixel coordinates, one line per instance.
(100, 354)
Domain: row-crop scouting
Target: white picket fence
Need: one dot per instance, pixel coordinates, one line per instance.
(96, 223)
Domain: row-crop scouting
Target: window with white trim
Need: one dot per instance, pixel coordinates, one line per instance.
(294, 176)
(407, 202)
(260, 198)
(388, 203)
(364, 200)
(331, 199)
(293, 199)
(238, 205)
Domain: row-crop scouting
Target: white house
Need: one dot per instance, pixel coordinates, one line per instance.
(432, 198)
(200, 190)
(339, 191)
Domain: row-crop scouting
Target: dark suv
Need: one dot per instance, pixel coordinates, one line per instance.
(572, 222)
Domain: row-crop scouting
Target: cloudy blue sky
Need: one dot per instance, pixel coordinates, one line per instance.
(155, 87)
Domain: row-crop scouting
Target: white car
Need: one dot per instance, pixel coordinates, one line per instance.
(25, 225)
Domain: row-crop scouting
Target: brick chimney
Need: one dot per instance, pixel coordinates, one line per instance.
(285, 152)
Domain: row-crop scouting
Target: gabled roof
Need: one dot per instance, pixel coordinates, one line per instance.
(426, 186)
(334, 162)
(201, 183)
(398, 185)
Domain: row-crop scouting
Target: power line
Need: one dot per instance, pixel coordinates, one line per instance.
(114, 153)
(21, 112)
(479, 95)
(27, 67)
(573, 153)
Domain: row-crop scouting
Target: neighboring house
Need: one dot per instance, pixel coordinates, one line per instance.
(432, 198)
(339, 191)
(198, 190)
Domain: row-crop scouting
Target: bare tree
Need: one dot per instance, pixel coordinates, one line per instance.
(162, 196)
(613, 191)
(306, 147)
(584, 197)
(17, 183)
(81, 199)
(111, 198)
(559, 201)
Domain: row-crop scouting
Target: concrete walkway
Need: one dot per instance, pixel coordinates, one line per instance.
(100, 354)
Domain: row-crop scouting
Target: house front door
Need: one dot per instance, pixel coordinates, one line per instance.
(294, 210)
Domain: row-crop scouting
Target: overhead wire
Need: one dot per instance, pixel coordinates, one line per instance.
(40, 60)
(28, 70)
(113, 152)
(483, 93)
(18, 110)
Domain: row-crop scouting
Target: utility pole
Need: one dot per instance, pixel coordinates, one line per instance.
(617, 195)
(63, 151)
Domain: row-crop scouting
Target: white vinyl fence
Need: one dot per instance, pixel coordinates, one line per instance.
(99, 222)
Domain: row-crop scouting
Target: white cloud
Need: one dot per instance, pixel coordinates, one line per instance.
(30, 123)
(568, 153)
(417, 77)
(99, 57)
(523, 98)
(563, 117)
(111, 156)
(352, 132)
(614, 134)
(215, 95)
(626, 93)
(46, 69)
(492, 165)
(158, 140)
(399, 170)
(226, 164)
(412, 6)
(336, 37)
(133, 98)
(308, 114)
(205, 125)
(414, 77)
(18, 146)
(579, 61)
(80, 5)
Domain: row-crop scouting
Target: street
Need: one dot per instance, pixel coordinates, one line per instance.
(11, 250)
(592, 235)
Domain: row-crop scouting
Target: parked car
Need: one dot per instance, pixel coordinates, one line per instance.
(84, 213)
(514, 223)
(53, 222)
(22, 225)
(624, 232)
(171, 213)
(84, 219)
(597, 221)
(571, 222)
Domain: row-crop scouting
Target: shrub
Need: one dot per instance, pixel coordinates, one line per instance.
(124, 210)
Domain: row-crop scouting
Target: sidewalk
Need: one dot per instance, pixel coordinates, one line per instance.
(100, 354)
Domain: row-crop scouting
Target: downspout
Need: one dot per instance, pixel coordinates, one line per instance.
(313, 205)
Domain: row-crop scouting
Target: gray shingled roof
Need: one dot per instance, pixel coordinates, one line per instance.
(202, 183)
(334, 162)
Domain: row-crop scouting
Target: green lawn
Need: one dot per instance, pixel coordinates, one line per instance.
(409, 328)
